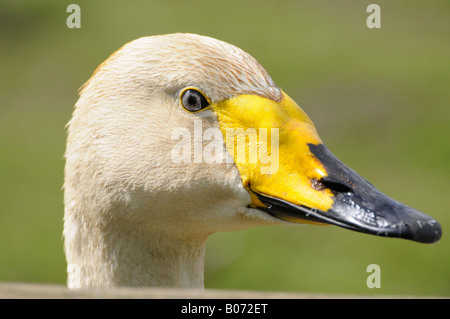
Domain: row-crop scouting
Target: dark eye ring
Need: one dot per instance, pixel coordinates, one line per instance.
(193, 101)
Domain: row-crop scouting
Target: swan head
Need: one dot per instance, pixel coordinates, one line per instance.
(183, 135)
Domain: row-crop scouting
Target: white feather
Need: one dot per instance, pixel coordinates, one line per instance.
(132, 216)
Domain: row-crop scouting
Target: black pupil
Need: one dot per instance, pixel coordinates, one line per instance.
(193, 100)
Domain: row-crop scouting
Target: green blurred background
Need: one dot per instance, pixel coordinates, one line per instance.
(379, 98)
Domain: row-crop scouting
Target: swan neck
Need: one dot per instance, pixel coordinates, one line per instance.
(136, 260)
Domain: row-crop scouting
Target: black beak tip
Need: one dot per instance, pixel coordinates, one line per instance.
(425, 231)
(388, 218)
(408, 223)
(359, 206)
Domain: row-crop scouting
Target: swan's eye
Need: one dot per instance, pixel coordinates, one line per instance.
(193, 101)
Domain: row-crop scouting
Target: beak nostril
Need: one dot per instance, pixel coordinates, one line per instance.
(317, 184)
(333, 185)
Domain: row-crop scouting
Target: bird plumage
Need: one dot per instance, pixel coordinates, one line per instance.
(135, 217)
(122, 190)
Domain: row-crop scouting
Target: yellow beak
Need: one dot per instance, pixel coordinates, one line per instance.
(268, 141)
(292, 175)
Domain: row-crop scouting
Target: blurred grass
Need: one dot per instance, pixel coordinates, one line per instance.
(379, 98)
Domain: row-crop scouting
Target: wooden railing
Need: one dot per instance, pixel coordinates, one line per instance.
(28, 291)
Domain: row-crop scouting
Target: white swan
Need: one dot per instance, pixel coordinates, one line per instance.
(136, 215)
